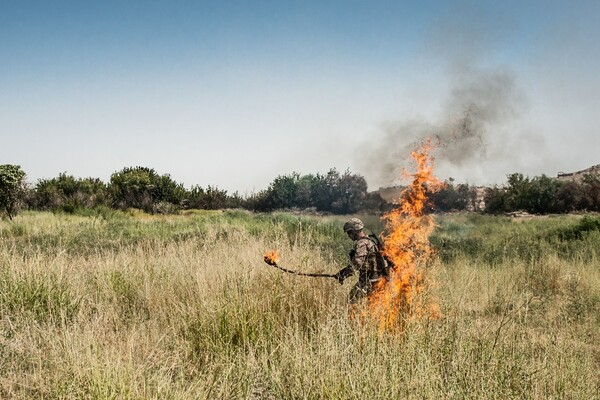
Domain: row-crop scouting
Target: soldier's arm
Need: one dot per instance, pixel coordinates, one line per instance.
(359, 260)
(360, 256)
(344, 273)
(351, 268)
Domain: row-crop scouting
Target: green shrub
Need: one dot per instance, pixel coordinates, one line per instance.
(12, 189)
(580, 230)
(495, 240)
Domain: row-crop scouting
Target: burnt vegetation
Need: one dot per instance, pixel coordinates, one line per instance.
(332, 193)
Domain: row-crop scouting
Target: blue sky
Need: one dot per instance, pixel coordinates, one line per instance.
(234, 93)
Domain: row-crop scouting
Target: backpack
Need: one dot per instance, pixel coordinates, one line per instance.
(384, 263)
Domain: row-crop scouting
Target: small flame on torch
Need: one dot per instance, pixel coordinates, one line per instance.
(271, 257)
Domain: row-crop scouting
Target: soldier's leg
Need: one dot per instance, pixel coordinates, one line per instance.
(357, 293)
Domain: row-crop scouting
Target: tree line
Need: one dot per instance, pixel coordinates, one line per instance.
(145, 189)
(334, 192)
(537, 195)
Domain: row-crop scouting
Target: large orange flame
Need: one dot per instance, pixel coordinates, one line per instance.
(407, 245)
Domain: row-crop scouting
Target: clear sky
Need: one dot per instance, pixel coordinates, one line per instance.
(234, 93)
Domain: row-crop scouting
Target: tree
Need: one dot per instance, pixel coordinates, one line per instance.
(349, 193)
(570, 196)
(284, 191)
(259, 201)
(234, 200)
(467, 197)
(69, 193)
(288, 191)
(216, 199)
(212, 198)
(323, 190)
(169, 191)
(305, 191)
(543, 195)
(12, 189)
(133, 187)
(337, 193)
(194, 198)
(447, 198)
(496, 200)
(143, 188)
(518, 192)
(591, 192)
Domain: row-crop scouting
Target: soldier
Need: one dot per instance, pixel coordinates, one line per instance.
(363, 260)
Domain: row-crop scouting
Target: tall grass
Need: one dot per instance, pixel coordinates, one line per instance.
(122, 306)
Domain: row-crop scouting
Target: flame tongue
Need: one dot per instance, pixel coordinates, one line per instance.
(407, 245)
(271, 257)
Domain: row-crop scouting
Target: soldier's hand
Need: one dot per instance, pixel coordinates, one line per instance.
(343, 274)
(351, 254)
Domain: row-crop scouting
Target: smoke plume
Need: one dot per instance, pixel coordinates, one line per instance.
(477, 116)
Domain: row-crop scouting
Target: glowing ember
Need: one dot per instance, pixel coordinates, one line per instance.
(271, 257)
(407, 245)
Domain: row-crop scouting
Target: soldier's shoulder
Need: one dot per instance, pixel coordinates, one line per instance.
(365, 241)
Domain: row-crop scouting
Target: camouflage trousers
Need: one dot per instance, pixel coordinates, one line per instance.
(361, 290)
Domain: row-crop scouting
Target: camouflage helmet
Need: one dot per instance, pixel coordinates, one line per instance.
(353, 224)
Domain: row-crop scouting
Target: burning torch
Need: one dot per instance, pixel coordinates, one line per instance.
(272, 258)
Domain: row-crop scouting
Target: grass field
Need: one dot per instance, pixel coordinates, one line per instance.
(117, 305)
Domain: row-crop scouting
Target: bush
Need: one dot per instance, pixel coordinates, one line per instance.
(210, 199)
(12, 189)
(336, 193)
(143, 188)
(69, 194)
(586, 224)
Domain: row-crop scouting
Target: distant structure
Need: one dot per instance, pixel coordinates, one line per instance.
(578, 176)
(477, 196)
(478, 202)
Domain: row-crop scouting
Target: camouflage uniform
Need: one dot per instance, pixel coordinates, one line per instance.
(363, 261)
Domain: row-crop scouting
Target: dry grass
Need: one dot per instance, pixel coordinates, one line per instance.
(184, 308)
